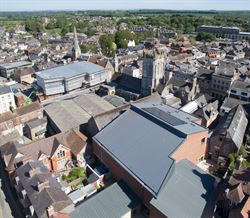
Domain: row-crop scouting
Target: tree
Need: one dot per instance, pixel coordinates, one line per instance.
(88, 48)
(207, 37)
(232, 161)
(122, 37)
(34, 26)
(243, 151)
(106, 44)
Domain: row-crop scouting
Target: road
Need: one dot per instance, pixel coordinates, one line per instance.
(9, 206)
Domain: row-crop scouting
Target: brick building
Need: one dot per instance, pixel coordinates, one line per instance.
(16, 119)
(57, 152)
(145, 147)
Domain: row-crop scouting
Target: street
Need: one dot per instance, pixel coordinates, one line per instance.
(9, 206)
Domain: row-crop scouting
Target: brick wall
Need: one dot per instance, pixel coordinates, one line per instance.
(192, 148)
(55, 159)
(119, 173)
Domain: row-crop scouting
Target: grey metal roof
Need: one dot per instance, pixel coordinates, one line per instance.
(66, 114)
(170, 115)
(114, 100)
(77, 195)
(15, 64)
(134, 136)
(186, 192)
(115, 201)
(70, 70)
(72, 113)
(4, 90)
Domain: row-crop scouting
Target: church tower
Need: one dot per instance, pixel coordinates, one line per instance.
(76, 51)
(153, 70)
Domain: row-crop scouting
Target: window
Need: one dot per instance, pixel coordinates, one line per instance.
(61, 154)
(233, 91)
(244, 93)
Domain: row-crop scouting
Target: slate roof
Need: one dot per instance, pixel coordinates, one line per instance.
(129, 83)
(115, 201)
(36, 122)
(4, 90)
(165, 129)
(45, 146)
(187, 192)
(242, 85)
(230, 103)
(70, 70)
(51, 194)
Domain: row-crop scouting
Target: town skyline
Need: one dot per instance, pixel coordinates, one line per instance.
(27, 5)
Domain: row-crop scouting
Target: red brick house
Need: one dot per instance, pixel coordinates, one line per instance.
(56, 152)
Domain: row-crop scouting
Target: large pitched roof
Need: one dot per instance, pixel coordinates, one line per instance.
(187, 192)
(138, 133)
(115, 201)
(72, 113)
(235, 124)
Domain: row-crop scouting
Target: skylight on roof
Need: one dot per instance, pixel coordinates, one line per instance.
(165, 116)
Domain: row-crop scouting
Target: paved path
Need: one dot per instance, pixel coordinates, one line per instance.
(4, 206)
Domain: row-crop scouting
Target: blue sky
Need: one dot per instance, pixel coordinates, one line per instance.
(27, 5)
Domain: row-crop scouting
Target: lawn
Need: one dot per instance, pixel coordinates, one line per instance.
(76, 173)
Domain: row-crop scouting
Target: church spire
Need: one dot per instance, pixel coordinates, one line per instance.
(76, 48)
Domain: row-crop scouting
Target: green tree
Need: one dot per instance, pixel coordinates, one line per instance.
(88, 48)
(34, 26)
(207, 37)
(243, 151)
(122, 37)
(106, 44)
(245, 165)
(232, 161)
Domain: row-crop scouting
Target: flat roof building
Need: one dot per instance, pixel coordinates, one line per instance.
(66, 78)
(227, 32)
(8, 69)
